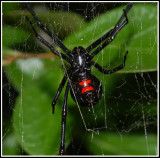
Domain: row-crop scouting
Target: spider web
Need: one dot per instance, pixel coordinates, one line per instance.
(133, 90)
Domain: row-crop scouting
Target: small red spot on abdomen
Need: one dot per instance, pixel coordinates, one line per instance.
(88, 88)
(85, 89)
(85, 83)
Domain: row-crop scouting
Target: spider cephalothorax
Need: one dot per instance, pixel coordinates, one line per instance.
(84, 87)
(79, 60)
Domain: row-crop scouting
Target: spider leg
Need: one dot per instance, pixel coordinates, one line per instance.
(111, 34)
(100, 40)
(41, 39)
(63, 125)
(113, 70)
(125, 12)
(46, 30)
(60, 89)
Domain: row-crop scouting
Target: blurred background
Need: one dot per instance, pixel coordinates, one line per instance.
(125, 120)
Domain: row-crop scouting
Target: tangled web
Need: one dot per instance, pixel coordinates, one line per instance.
(126, 113)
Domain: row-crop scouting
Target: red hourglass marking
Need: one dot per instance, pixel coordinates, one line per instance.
(85, 83)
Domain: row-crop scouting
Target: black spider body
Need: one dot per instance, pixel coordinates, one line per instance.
(84, 87)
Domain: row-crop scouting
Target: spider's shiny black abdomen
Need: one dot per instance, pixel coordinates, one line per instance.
(86, 90)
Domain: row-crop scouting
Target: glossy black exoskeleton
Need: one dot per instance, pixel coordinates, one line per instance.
(85, 88)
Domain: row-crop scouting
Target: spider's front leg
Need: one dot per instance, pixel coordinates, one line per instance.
(63, 125)
(106, 39)
(46, 30)
(41, 39)
(113, 70)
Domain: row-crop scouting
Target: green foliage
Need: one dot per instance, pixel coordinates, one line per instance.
(117, 144)
(129, 103)
(37, 129)
(139, 37)
(7, 7)
(10, 145)
(18, 36)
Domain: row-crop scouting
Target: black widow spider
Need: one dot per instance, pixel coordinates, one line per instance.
(85, 88)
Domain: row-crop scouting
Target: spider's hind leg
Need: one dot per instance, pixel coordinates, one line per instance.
(63, 124)
(60, 89)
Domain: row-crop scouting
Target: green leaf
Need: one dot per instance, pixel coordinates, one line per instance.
(143, 43)
(10, 145)
(114, 144)
(139, 37)
(131, 101)
(10, 6)
(46, 74)
(31, 70)
(54, 21)
(36, 128)
(12, 36)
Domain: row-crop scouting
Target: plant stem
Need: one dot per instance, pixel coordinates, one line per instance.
(8, 59)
